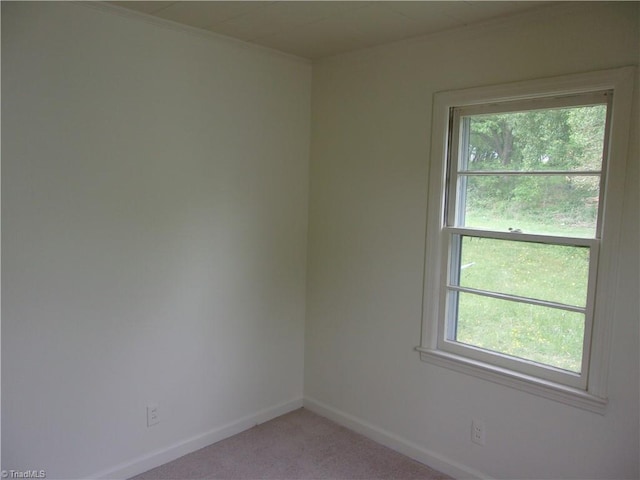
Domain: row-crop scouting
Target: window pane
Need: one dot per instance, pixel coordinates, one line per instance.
(553, 273)
(569, 138)
(540, 334)
(548, 204)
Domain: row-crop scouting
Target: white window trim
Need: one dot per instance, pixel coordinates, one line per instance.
(594, 396)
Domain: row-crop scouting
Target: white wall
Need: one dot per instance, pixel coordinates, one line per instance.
(371, 123)
(154, 218)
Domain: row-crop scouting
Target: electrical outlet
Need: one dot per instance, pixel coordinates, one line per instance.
(477, 432)
(153, 418)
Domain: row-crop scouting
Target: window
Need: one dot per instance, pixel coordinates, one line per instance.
(525, 193)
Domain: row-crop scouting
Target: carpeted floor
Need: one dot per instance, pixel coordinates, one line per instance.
(297, 446)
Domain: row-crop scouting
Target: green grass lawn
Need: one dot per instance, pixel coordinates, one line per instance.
(501, 221)
(544, 272)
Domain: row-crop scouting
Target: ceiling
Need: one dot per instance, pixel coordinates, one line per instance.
(316, 29)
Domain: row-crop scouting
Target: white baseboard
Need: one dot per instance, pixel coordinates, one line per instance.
(177, 450)
(399, 444)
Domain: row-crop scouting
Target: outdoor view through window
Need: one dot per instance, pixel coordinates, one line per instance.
(522, 223)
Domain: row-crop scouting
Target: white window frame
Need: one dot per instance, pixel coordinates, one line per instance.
(585, 390)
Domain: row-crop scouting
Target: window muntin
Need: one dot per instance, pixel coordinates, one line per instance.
(536, 187)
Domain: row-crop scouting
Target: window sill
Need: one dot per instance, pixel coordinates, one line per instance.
(543, 388)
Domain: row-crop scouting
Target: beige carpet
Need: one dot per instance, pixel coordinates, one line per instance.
(297, 446)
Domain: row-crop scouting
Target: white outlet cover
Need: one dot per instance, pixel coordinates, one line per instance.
(153, 417)
(477, 432)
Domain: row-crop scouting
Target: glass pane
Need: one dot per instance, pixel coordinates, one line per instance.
(540, 334)
(554, 273)
(548, 204)
(569, 138)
